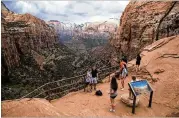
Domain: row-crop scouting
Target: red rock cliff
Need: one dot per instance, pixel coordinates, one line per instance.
(31, 54)
(24, 34)
(144, 22)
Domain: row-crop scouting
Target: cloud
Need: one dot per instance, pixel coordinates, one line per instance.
(70, 11)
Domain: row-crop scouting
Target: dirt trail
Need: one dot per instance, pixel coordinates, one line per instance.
(165, 84)
(87, 104)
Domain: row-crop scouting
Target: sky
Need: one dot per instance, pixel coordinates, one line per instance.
(71, 11)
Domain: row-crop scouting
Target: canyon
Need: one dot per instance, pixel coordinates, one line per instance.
(85, 37)
(164, 84)
(35, 52)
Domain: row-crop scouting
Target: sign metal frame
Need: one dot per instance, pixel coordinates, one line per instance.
(135, 95)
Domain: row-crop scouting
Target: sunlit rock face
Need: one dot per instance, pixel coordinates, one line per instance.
(144, 22)
(24, 33)
(82, 38)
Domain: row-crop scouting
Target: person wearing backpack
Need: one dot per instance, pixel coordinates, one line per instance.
(113, 92)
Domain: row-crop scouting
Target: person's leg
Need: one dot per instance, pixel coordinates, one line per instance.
(123, 83)
(95, 83)
(124, 80)
(111, 101)
(111, 104)
(88, 88)
(95, 86)
(85, 87)
(139, 67)
(92, 84)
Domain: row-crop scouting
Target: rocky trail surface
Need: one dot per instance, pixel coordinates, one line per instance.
(160, 66)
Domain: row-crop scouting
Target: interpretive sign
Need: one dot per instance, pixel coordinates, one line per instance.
(140, 87)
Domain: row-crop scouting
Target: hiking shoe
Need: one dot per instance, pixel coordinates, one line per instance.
(122, 89)
(111, 110)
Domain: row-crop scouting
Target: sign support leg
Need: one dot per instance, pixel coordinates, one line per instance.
(133, 107)
(150, 100)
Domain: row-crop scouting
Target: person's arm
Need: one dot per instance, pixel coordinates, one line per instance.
(111, 91)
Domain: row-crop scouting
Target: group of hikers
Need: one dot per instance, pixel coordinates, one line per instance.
(121, 74)
(91, 79)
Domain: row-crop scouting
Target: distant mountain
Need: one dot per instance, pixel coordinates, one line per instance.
(83, 37)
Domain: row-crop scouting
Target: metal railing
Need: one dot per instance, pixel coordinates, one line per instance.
(59, 88)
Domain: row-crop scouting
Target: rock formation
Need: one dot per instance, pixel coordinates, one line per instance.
(88, 40)
(165, 98)
(90, 34)
(31, 54)
(144, 22)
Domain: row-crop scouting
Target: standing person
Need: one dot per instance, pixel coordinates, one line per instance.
(88, 80)
(122, 65)
(113, 92)
(124, 75)
(138, 59)
(94, 74)
(125, 60)
(130, 93)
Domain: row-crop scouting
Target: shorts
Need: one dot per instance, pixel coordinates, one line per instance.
(113, 96)
(124, 73)
(94, 80)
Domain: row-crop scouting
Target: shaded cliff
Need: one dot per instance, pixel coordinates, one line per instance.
(144, 22)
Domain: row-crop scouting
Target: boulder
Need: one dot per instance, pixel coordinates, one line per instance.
(129, 102)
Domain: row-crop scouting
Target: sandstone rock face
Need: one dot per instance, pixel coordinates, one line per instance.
(30, 54)
(24, 33)
(144, 22)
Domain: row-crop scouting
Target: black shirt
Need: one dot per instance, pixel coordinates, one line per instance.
(94, 73)
(138, 59)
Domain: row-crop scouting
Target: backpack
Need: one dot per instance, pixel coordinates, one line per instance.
(98, 93)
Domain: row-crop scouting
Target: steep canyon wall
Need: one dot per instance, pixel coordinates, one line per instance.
(144, 22)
